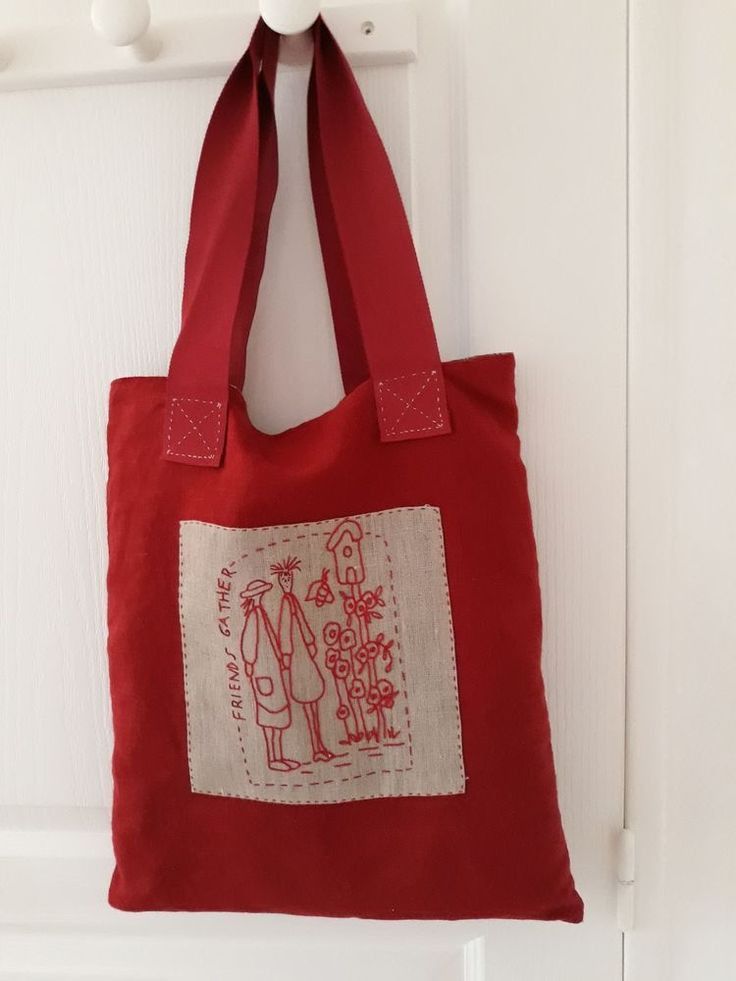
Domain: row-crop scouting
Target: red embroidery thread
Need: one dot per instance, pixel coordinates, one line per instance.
(319, 591)
(281, 659)
(299, 652)
(263, 661)
(370, 695)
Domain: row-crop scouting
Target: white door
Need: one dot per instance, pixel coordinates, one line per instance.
(508, 136)
(681, 792)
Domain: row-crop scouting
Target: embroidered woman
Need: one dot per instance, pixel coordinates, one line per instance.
(262, 660)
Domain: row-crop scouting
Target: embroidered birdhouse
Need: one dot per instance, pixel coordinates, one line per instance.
(344, 543)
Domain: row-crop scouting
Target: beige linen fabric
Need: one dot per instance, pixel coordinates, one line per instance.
(319, 659)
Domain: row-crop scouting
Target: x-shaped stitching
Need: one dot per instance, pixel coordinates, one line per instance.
(194, 429)
(409, 404)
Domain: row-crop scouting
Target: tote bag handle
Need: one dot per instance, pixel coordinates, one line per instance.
(353, 364)
(371, 264)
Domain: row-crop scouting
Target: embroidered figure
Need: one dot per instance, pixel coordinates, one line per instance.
(262, 660)
(299, 651)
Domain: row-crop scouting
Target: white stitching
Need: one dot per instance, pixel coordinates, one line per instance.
(301, 524)
(195, 428)
(194, 456)
(309, 803)
(409, 403)
(451, 624)
(171, 450)
(184, 651)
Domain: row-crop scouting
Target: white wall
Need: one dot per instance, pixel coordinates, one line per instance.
(682, 636)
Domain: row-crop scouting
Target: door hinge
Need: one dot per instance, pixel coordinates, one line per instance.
(626, 875)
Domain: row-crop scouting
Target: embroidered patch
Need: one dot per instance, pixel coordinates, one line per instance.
(319, 660)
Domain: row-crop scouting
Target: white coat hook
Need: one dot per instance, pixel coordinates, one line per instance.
(124, 46)
(289, 16)
(125, 23)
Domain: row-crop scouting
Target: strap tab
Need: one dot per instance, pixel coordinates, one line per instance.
(412, 406)
(195, 430)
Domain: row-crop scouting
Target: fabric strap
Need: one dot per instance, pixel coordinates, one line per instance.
(353, 364)
(382, 321)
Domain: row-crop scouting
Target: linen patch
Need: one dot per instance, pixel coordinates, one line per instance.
(319, 659)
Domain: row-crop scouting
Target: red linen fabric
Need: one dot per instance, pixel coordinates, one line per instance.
(410, 431)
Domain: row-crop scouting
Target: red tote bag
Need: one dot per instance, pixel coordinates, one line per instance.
(324, 644)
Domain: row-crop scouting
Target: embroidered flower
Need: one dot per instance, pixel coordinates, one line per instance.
(361, 656)
(342, 669)
(357, 689)
(331, 658)
(364, 606)
(387, 693)
(372, 599)
(331, 633)
(371, 650)
(342, 712)
(374, 697)
(348, 639)
(385, 652)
